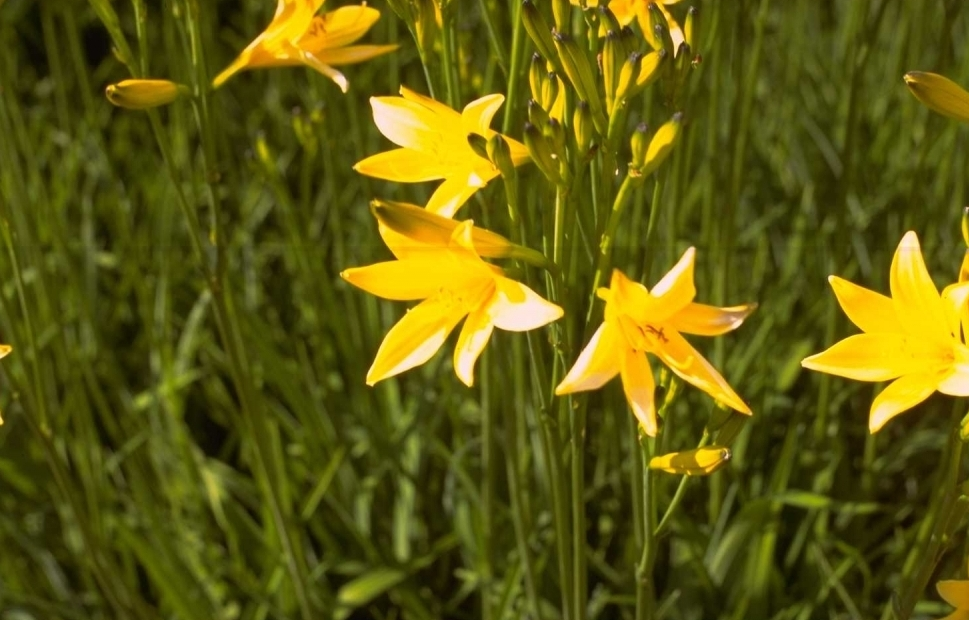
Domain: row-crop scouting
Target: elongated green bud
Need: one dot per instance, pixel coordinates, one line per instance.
(562, 12)
(653, 18)
(649, 69)
(550, 91)
(699, 462)
(555, 133)
(638, 145)
(611, 64)
(537, 115)
(579, 71)
(608, 19)
(690, 27)
(500, 155)
(583, 127)
(144, 94)
(662, 144)
(539, 31)
(541, 152)
(537, 76)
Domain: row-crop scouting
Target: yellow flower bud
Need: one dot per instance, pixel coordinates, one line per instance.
(939, 94)
(698, 462)
(144, 94)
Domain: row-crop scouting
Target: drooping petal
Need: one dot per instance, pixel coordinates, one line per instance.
(519, 153)
(353, 54)
(517, 308)
(599, 362)
(638, 384)
(693, 368)
(403, 166)
(955, 592)
(450, 196)
(471, 342)
(676, 32)
(675, 290)
(901, 395)
(417, 277)
(477, 115)
(704, 320)
(316, 64)
(878, 357)
(917, 302)
(629, 298)
(407, 123)
(415, 338)
(871, 312)
(955, 299)
(340, 27)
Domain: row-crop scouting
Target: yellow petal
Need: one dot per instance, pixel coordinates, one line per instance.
(955, 380)
(638, 384)
(407, 124)
(477, 115)
(599, 362)
(704, 320)
(872, 312)
(675, 291)
(415, 338)
(878, 357)
(519, 153)
(353, 54)
(939, 94)
(699, 462)
(624, 10)
(5, 350)
(417, 277)
(954, 592)
(471, 342)
(900, 395)
(448, 118)
(693, 368)
(917, 302)
(403, 166)
(628, 297)
(450, 196)
(955, 299)
(319, 66)
(676, 33)
(517, 308)
(339, 28)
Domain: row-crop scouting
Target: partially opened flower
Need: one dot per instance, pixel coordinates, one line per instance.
(912, 339)
(639, 321)
(434, 145)
(453, 282)
(628, 10)
(144, 94)
(297, 36)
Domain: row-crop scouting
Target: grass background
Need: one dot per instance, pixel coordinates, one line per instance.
(131, 486)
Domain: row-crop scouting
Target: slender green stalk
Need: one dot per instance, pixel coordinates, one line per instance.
(487, 490)
(645, 592)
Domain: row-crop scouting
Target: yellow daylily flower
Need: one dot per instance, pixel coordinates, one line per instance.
(453, 282)
(939, 94)
(956, 593)
(912, 338)
(640, 321)
(628, 10)
(434, 145)
(297, 36)
(4, 351)
(144, 94)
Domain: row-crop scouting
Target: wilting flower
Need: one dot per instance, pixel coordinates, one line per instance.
(297, 36)
(4, 350)
(143, 94)
(939, 94)
(453, 282)
(434, 141)
(912, 338)
(956, 593)
(640, 321)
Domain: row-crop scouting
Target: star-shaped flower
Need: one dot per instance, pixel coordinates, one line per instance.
(453, 282)
(913, 339)
(640, 321)
(434, 141)
(297, 36)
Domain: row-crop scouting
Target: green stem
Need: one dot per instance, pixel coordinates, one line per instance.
(608, 238)
(517, 56)
(487, 492)
(645, 595)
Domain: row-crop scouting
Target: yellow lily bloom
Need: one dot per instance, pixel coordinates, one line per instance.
(640, 321)
(4, 351)
(956, 593)
(297, 36)
(939, 94)
(912, 338)
(434, 145)
(453, 282)
(628, 10)
(144, 94)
